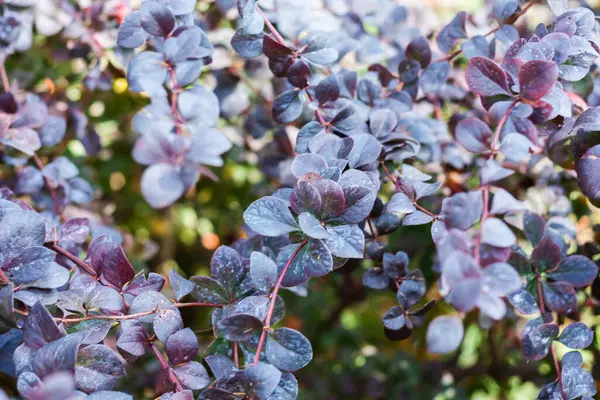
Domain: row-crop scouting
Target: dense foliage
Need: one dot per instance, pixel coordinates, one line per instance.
(365, 125)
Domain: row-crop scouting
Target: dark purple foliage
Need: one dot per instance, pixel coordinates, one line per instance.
(348, 159)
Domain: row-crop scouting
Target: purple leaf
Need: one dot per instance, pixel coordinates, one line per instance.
(452, 32)
(253, 22)
(346, 241)
(462, 210)
(328, 90)
(40, 327)
(313, 260)
(308, 163)
(103, 297)
(411, 290)
(577, 270)
(394, 318)
(131, 33)
(221, 366)
(536, 78)
(359, 202)
(501, 279)
(156, 19)
(166, 322)
(497, 233)
(182, 346)
(75, 230)
(474, 135)
(29, 181)
(534, 227)
(287, 107)
(247, 45)
(365, 151)
(298, 74)
(140, 284)
(192, 375)
(162, 185)
(288, 350)
(486, 78)
(395, 265)
(147, 72)
(477, 46)
(311, 226)
(417, 218)
(181, 286)
(98, 368)
(503, 9)
(149, 301)
(504, 202)
(132, 340)
(587, 177)
(434, 77)
(400, 203)
(25, 140)
(332, 198)
(492, 172)
(444, 334)
(30, 265)
(109, 260)
(375, 278)
(270, 216)
(537, 338)
(209, 290)
(239, 327)
(305, 198)
(227, 267)
(319, 52)
(546, 255)
(97, 330)
(418, 49)
(57, 356)
(524, 302)
(576, 336)
(559, 296)
(263, 271)
(53, 131)
(259, 380)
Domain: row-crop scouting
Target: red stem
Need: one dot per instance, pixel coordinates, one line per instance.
(318, 113)
(272, 29)
(3, 277)
(57, 207)
(419, 207)
(387, 173)
(373, 234)
(236, 359)
(5, 81)
(543, 311)
(267, 325)
(196, 304)
(165, 366)
(87, 268)
(174, 99)
(121, 317)
(557, 367)
(501, 123)
(486, 188)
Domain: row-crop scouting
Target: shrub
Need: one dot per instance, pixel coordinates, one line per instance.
(488, 141)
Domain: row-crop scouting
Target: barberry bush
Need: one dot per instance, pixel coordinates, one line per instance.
(286, 199)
